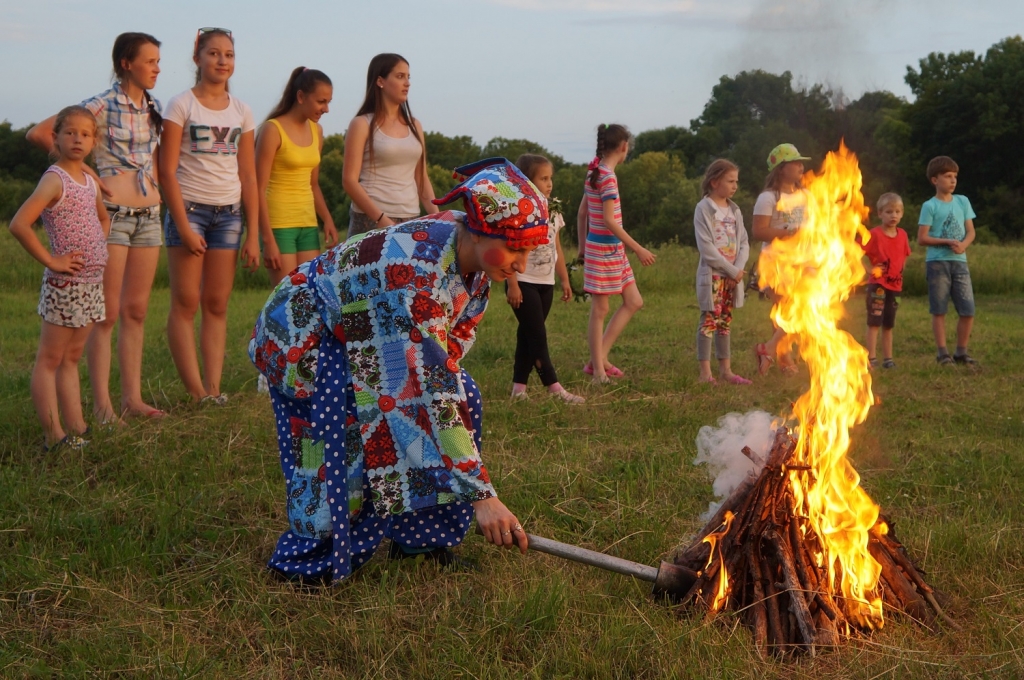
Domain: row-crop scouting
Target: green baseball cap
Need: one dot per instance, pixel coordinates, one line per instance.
(784, 153)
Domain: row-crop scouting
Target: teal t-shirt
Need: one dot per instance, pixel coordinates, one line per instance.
(946, 220)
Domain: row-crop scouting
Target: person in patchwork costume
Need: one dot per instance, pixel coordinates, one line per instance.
(378, 426)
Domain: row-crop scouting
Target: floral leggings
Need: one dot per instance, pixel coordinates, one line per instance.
(715, 323)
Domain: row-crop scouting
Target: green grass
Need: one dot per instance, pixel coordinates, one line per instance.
(143, 555)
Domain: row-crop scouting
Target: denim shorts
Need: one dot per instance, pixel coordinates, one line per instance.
(219, 225)
(949, 279)
(134, 227)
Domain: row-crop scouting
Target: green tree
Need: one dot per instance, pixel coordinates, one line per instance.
(514, 148)
(969, 107)
(450, 152)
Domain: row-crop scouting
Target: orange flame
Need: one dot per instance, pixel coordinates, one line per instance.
(814, 272)
(714, 539)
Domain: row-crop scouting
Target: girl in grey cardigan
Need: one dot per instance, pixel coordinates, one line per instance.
(723, 246)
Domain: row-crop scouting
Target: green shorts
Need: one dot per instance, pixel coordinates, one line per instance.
(291, 240)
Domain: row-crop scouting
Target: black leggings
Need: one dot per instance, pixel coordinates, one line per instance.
(532, 336)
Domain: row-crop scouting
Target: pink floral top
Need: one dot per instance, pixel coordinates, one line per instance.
(73, 224)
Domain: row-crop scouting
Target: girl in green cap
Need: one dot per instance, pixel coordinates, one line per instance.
(779, 213)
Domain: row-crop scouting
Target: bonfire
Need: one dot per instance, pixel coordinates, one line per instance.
(800, 551)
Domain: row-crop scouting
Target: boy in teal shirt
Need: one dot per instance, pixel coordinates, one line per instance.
(946, 227)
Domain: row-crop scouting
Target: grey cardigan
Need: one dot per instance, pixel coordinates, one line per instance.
(711, 261)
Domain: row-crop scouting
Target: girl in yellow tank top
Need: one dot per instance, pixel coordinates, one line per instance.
(287, 173)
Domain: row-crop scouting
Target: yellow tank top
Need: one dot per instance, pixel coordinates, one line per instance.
(289, 192)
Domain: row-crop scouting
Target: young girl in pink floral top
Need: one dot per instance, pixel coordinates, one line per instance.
(71, 300)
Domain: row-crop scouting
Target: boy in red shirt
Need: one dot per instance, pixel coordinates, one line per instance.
(888, 250)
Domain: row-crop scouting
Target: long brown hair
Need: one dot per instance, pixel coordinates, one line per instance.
(609, 138)
(302, 79)
(202, 38)
(715, 171)
(772, 181)
(373, 103)
(126, 48)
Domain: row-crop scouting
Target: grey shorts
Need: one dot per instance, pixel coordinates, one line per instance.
(71, 304)
(949, 279)
(134, 227)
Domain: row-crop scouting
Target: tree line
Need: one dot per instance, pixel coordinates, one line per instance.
(967, 106)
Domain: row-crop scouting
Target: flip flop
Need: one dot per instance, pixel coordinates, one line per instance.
(738, 380)
(611, 371)
(708, 381)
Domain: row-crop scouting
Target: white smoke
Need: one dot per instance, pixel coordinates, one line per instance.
(721, 448)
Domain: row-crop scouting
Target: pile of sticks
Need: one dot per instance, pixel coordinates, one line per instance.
(775, 582)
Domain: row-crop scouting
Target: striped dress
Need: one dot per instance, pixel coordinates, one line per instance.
(606, 269)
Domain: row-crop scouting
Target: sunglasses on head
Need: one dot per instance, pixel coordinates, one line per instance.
(208, 29)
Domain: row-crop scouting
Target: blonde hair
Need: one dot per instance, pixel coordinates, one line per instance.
(718, 168)
(887, 199)
(62, 118)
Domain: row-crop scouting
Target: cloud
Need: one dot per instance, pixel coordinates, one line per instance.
(634, 6)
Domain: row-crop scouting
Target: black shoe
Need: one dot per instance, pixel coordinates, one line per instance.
(443, 557)
(965, 359)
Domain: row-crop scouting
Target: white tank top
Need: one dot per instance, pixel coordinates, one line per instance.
(390, 180)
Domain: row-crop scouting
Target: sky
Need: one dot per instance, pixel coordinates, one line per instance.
(545, 70)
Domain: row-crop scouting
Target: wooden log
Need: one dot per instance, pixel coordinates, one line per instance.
(759, 615)
(798, 605)
(695, 556)
(828, 633)
(913, 604)
(776, 634)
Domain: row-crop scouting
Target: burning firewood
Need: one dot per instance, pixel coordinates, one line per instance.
(760, 557)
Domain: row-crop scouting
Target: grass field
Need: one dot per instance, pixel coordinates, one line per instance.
(142, 556)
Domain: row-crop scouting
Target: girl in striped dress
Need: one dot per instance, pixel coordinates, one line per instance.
(606, 270)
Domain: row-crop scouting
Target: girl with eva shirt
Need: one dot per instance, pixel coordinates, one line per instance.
(530, 294)
(378, 424)
(385, 169)
(288, 174)
(606, 270)
(722, 243)
(69, 201)
(126, 152)
(208, 175)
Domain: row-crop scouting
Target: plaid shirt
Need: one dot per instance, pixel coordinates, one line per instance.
(125, 136)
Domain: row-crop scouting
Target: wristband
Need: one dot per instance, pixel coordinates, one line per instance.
(377, 221)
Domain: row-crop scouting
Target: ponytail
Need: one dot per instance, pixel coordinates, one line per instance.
(302, 79)
(609, 138)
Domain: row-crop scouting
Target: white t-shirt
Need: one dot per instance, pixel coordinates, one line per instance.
(208, 165)
(786, 211)
(540, 264)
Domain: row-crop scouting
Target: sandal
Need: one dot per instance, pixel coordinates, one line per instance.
(764, 360)
(611, 371)
(944, 360)
(889, 363)
(738, 380)
(568, 397)
(965, 360)
(519, 396)
(70, 441)
(872, 363)
(708, 381)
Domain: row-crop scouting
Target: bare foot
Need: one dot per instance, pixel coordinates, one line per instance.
(142, 409)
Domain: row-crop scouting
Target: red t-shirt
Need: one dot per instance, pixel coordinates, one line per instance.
(888, 254)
